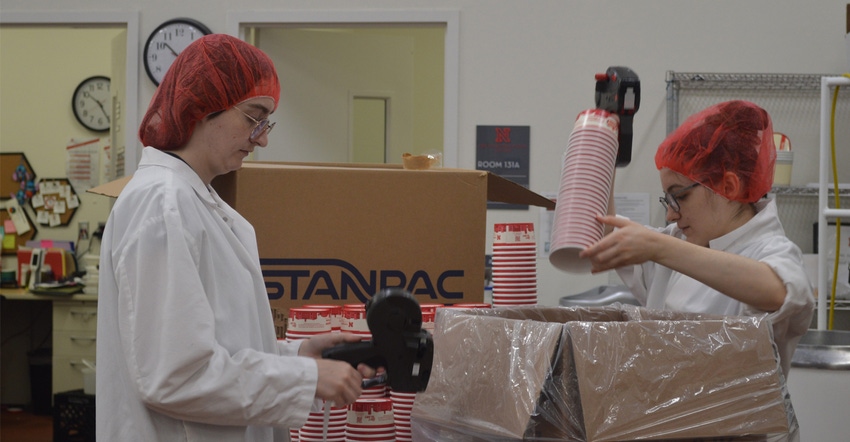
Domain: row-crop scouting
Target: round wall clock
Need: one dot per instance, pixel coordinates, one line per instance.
(167, 41)
(92, 103)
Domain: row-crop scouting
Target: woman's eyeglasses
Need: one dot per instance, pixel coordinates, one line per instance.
(669, 199)
(260, 126)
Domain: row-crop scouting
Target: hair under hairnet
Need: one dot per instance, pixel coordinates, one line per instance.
(212, 74)
(733, 136)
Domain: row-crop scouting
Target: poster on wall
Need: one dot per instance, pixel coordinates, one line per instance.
(504, 151)
(82, 163)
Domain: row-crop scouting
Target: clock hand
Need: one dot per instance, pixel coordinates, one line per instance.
(102, 108)
(171, 49)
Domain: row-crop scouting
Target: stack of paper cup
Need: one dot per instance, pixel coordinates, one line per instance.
(370, 420)
(429, 316)
(304, 323)
(402, 408)
(318, 429)
(354, 321)
(586, 178)
(514, 265)
(335, 312)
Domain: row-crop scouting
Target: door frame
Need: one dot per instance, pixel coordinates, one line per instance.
(236, 20)
(388, 98)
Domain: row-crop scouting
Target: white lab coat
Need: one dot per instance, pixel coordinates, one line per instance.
(763, 239)
(186, 347)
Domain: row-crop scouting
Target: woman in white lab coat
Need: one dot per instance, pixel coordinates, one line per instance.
(186, 343)
(724, 251)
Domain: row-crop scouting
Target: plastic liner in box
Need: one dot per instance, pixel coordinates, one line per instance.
(610, 373)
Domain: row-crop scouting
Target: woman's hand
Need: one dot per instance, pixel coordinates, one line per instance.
(338, 381)
(630, 243)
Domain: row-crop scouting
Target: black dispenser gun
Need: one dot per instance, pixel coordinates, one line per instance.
(618, 92)
(399, 343)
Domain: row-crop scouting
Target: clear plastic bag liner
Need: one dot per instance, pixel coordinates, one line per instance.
(612, 373)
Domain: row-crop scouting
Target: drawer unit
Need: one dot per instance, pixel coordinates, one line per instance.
(74, 339)
(68, 373)
(75, 315)
(75, 343)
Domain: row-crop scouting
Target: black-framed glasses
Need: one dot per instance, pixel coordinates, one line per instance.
(260, 126)
(669, 199)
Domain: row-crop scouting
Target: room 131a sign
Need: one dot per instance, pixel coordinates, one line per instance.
(504, 151)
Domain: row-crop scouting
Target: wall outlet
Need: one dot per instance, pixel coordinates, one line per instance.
(83, 230)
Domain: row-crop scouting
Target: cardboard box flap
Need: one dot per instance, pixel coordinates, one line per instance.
(498, 189)
(488, 373)
(506, 191)
(112, 188)
(619, 373)
(636, 382)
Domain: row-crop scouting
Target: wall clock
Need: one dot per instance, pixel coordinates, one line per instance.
(92, 103)
(167, 41)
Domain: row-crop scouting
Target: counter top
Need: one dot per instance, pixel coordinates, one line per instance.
(25, 295)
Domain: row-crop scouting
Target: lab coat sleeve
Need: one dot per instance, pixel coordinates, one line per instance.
(288, 348)
(167, 329)
(791, 321)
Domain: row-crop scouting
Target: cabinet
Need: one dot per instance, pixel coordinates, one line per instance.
(800, 105)
(74, 339)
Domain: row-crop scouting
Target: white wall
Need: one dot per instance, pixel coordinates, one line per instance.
(532, 63)
(309, 113)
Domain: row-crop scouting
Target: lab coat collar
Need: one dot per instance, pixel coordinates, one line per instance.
(155, 157)
(765, 223)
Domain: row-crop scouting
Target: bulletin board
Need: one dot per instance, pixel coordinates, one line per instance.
(55, 202)
(20, 240)
(11, 178)
(16, 175)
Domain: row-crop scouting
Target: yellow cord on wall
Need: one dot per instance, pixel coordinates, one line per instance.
(831, 317)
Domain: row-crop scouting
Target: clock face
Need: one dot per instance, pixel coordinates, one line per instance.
(92, 103)
(167, 41)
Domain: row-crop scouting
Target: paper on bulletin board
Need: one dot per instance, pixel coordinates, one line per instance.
(547, 217)
(82, 163)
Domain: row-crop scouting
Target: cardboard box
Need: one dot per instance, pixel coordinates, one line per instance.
(336, 234)
(600, 374)
(332, 233)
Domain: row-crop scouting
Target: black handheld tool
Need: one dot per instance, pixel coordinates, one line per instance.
(399, 344)
(618, 92)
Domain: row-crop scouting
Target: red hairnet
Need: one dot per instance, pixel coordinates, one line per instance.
(212, 74)
(733, 136)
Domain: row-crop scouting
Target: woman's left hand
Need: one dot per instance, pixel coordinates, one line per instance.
(630, 243)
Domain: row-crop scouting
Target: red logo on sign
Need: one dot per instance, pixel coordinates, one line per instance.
(503, 134)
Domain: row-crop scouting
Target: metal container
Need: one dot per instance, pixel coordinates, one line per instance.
(820, 374)
(599, 296)
(824, 349)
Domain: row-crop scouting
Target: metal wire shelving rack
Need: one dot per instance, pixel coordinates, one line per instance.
(795, 103)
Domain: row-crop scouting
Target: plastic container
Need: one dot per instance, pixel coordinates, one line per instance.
(782, 170)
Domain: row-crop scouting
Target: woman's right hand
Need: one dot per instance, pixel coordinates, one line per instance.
(338, 382)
